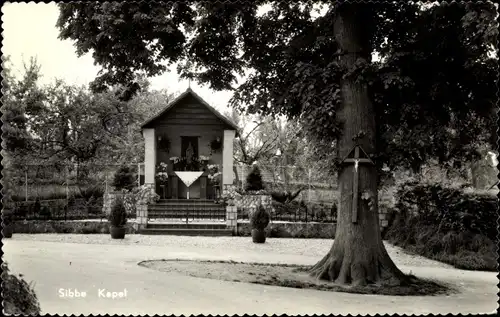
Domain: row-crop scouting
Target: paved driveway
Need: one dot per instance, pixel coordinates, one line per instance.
(90, 267)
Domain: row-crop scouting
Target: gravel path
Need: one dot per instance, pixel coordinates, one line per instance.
(92, 262)
(303, 247)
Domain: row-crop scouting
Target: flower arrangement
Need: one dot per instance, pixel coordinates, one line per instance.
(204, 158)
(161, 173)
(175, 159)
(214, 174)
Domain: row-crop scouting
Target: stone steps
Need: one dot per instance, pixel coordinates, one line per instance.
(185, 207)
(186, 226)
(186, 201)
(197, 214)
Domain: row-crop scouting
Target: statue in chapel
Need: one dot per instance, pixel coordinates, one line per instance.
(189, 154)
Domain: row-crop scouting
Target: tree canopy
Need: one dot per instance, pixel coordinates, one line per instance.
(60, 122)
(430, 94)
(433, 84)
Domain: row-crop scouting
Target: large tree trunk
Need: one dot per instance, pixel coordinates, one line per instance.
(358, 255)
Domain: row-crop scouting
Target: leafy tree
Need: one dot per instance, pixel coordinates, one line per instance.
(21, 100)
(130, 144)
(424, 98)
(248, 147)
(75, 125)
(287, 136)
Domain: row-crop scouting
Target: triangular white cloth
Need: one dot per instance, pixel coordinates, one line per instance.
(188, 178)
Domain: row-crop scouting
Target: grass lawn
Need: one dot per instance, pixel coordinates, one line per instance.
(294, 276)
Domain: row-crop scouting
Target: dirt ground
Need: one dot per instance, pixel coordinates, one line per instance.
(294, 276)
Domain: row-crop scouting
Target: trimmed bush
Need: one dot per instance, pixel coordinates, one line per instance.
(118, 214)
(254, 180)
(124, 179)
(19, 296)
(260, 218)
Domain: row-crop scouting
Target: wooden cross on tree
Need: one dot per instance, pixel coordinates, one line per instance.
(356, 156)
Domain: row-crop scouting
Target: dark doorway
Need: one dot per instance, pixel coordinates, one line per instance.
(186, 141)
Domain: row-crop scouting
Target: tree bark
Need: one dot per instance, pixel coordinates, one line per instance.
(358, 255)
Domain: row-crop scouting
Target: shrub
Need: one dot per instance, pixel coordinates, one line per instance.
(94, 192)
(45, 212)
(260, 218)
(37, 207)
(285, 196)
(452, 209)
(124, 179)
(137, 195)
(446, 224)
(19, 297)
(118, 214)
(254, 180)
(8, 216)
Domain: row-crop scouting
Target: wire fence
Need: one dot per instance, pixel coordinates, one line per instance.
(49, 182)
(314, 186)
(60, 191)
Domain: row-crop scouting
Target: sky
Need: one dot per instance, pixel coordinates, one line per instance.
(29, 31)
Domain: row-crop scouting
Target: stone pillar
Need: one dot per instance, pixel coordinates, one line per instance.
(149, 156)
(227, 158)
(232, 219)
(383, 222)
(141, 219)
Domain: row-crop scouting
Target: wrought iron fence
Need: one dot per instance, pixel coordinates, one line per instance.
(315, 187)
(295, 212)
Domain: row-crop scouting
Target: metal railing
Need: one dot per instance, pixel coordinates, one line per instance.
(324, 215)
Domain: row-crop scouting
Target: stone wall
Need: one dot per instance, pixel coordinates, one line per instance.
(232, 218)
(383, 218)
(141, 219)
(142, 210)
(56, 226)
(386, 201)
(293, 230)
